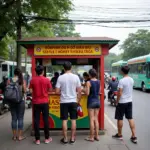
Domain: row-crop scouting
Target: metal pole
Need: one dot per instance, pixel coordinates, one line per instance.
(25, 61)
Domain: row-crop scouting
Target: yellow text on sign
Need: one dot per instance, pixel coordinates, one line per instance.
(54, 105)
(67, 50)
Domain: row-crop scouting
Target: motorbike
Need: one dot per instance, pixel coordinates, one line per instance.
(29, 100)
(113, 98)
(3, 108)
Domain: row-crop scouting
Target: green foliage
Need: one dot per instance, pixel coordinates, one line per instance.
(137, 44)
(45, 29)
(13, 12)
(64, 30)
(111, 58)
(4, 51)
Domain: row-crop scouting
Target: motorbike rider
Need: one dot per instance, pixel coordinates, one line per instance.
(113, 86)
(3, 85)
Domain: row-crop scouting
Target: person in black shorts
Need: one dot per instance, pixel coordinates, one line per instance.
(93, 105)
(68, 85)
(124, 104)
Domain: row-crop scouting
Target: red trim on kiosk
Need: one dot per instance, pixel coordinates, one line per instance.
(99, 66)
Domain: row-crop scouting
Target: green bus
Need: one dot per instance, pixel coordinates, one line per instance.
(115, 68)
(140, 71)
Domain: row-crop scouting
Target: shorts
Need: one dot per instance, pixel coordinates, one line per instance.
(68, 108)
(124, 109)
(93, 105)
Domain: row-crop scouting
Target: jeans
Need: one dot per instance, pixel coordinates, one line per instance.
(37, 109)
(17, 113)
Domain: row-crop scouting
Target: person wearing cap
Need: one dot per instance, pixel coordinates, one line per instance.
(113, 86)
(39, 87)
(69, 86)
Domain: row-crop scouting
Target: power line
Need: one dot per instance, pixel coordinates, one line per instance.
(85, 20)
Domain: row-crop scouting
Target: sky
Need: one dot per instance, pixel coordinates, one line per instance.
(111, 10)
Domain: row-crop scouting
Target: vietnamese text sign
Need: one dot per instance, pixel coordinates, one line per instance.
(67, 50)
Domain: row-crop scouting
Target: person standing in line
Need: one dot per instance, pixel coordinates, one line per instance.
(18, 109)
(93, 105)
(27, 79)
(54, 79)
(124, 104)
(39, 87)
(68, 85)
(86, 78)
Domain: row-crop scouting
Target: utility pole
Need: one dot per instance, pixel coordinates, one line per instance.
(25, 61)
(18, 25)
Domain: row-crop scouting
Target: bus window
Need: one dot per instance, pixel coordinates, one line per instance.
(4, 67)
(148, 70)
(134, 68)
(144, 69)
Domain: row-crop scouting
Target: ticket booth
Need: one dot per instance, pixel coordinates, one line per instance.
(52, 52)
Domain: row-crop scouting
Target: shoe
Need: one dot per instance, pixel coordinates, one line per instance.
(72, 141)
(117, 136)
(63, 141)
(134, 140)
(37, 142)
(47, 141)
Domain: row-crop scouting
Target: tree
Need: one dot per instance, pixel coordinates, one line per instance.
(65, 30)
(46, 29)
(14, 15)
(137, 44)
(111, 58)
(37, 29)
(4, 50)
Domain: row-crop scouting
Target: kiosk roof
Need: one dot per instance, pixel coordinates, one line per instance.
(68, 40)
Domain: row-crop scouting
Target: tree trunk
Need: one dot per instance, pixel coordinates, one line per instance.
(18, 47)
(19, 34)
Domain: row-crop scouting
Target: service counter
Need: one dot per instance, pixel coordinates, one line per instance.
(54, 113)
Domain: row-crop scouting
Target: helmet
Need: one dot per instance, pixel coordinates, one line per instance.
(113, 78)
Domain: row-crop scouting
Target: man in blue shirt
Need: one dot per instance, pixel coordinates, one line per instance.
(113, 86)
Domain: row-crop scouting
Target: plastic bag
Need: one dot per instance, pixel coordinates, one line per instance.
(80, 111)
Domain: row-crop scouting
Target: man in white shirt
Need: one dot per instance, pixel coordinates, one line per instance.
(68, 85)
(124, 104)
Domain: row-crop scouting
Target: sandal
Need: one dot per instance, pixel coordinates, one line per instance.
(88, 139)
(14, 138)
(96, 139)
(21, 138)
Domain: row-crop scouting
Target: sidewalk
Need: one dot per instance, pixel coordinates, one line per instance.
(105, 143)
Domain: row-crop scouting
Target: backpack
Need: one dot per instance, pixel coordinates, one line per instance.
(13, 93)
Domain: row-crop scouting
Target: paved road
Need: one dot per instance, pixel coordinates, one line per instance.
(5, 127)
(141, 104)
